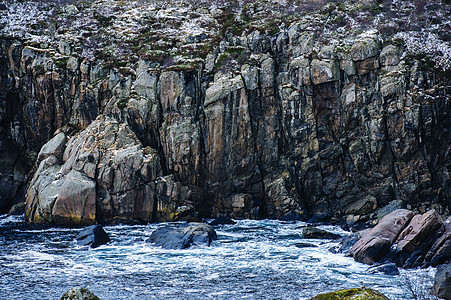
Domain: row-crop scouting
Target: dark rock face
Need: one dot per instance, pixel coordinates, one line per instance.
(93, 236)
(442, 282)
(294, 126)
(310, 232)
(184, 236)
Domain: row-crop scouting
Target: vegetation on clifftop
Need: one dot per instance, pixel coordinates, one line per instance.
(183, 33)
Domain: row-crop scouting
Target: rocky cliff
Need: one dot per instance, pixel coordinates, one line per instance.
(114, 111)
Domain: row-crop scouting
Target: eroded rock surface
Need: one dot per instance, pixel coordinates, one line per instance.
(406, 239)
(104, 174)
(319, 115)
(377, 242)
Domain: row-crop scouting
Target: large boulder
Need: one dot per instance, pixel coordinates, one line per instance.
(349, 294)
(420, 228)
(93, 236)
(183, 236)
(413, 243)
(387, 269)
(311, 232)
(440, 251)
(102, 174)
(442, 282)
(222, 220)
(79, 293)
(377, 241)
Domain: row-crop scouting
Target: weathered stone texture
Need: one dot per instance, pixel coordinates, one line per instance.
(298, 128)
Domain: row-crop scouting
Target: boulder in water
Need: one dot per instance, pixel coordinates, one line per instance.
(310, 232)
(387, 269)
(377, 241)
(357, 293)
(222, 221)
(79, 293)
(93, 236)
(442, 282)
(184, 236)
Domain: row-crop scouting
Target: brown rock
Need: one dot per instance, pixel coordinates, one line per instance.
(418, 230)
(377, 242)
(367, 65)
(105, 174)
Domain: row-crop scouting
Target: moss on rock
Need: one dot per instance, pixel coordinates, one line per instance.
(362, 293)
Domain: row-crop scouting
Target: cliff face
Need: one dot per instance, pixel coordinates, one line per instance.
(316, 118)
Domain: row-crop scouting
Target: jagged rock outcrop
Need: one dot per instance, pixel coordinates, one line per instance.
(325, 115)
(408, 240)
(104, 174)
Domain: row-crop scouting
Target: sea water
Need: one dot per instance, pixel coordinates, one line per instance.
(264, 259)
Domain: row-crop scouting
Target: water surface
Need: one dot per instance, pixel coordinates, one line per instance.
(250, 260)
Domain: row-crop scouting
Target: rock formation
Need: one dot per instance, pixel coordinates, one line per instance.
(442, 282)
(183, 236)
(356, 293)
(128, 112)
(93, 236)
(79, 293)
(405, 238)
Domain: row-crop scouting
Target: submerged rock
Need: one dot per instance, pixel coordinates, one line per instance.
(442, 282)
(310, 232)
(79, 293)
(222, 221)
(183, 236)
(387, 269)
(93, 236)
(352, 294)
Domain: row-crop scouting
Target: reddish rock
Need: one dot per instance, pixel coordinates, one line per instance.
(377, 242)
(420, 228)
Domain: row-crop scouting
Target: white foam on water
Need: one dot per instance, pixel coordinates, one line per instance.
(252, 259)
